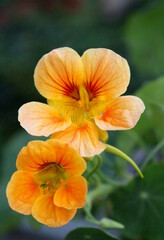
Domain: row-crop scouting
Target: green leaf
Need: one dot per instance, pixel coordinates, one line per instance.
(140, 205)
(144, 40)
(88, 234)
(151, 93)
(158, 117)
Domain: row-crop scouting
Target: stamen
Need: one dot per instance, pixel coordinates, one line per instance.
(50, 177)
(84, 97)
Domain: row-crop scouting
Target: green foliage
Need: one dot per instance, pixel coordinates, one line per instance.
(151, 94)
(140, 205)
(144, 38)
(157, 110)
(88, 234)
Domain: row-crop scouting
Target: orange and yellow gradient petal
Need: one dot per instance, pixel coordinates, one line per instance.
(59, 73)
(22, 191)
(38, 153)
(83, 137)
(122, 114)
(46, 212)
(107, 74)
(39, 119)
(72, 194)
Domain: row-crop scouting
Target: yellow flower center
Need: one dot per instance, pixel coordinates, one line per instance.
(50, 177)
(79, 105)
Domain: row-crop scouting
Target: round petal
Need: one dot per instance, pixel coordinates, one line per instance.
(68, 157)
(37, 154)
(44, 211)
(107, 73)
(83, 137)
(123, 113)
(39, 119)
(72, 194)
(59, 73)
(22, 191)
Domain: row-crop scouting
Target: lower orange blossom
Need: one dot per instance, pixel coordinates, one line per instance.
(48, 182)
(84, 99)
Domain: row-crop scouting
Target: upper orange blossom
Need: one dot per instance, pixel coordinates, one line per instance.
(83, 96)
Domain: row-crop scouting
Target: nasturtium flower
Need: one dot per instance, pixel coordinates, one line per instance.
(84, 98)
(48, 182)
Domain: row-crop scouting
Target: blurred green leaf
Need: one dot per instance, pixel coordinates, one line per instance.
(88, 234)
(140, 205)
(144, 39)
(151, 93)
(158, 117)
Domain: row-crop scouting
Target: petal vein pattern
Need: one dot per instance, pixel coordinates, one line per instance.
(41, 120)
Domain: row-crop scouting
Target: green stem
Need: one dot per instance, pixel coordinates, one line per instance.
(102, 190)
(95, 168)
(153, 153)
(105, 223)
(119, 153)
(90, 217)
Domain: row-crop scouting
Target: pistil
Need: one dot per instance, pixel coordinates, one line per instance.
(50, 177)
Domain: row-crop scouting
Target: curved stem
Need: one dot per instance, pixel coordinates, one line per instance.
(95, 168)
(153, 152)
(90, 217)
(119, 153)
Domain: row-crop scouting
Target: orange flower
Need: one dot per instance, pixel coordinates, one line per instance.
(83, 96)
(48, 183)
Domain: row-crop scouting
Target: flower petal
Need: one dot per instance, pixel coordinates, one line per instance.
(72, 194)
(83, 137)
(107, 73)
(123, 113)
(39, 119)
(22, 191)
(59, 73)
(68, 157)
(44, 211)
(38, 154)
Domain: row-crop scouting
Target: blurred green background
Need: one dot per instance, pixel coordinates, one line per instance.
(135, 30)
